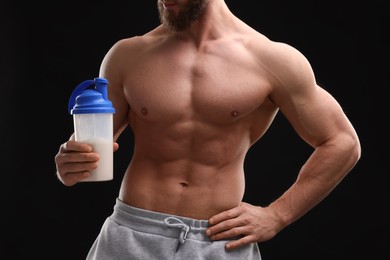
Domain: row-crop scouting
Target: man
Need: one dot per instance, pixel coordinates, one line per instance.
(197, 92)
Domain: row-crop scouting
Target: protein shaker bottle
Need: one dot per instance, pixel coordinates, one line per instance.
(93, 123)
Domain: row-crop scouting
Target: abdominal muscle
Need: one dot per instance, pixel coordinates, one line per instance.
(198, 194)
(172, 177)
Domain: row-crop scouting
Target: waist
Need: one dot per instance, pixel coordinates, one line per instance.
(157, 223)
(196, 193)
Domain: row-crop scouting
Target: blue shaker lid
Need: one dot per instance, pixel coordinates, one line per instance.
(86, 100)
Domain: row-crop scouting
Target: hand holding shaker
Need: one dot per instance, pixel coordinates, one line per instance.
(93, 123)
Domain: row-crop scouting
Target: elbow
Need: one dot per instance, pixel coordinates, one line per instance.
(355, 149)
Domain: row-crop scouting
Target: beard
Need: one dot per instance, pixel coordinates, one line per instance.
(189, 12)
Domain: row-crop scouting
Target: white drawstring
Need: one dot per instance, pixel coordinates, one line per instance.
(177, 223)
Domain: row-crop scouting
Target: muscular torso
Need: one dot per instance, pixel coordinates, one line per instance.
(195, 111)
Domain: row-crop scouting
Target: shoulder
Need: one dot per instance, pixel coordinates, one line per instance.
(127, 52)
(284, 62)
(286, 68)
(128, 47)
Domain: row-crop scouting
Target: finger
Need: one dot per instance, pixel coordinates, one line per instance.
(225, 226)
(79, 164)
(116, 146)
(75, 146)
(83, 166)
(231, 233)
(80, 157)
(225, 215)
(73, 178)
(240, 242)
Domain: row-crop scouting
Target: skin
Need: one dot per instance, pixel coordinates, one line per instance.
(197, 98)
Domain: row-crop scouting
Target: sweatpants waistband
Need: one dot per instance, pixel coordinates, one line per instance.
(163, 224)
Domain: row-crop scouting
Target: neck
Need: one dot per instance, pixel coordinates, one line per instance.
(216, 19)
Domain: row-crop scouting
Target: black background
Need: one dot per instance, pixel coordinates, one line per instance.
(49, 48)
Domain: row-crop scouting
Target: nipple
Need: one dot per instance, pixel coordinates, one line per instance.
(234, 113)
(144, 111)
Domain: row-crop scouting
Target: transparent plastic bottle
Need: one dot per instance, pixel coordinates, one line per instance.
(93, 124)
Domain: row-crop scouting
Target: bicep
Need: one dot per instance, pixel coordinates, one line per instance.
(315, 115)
(111, 69)
(117, 97)
(313, 112)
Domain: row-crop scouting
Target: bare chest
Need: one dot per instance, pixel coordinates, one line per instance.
(209, 88)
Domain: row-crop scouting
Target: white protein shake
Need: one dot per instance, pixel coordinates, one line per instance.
(104, 148)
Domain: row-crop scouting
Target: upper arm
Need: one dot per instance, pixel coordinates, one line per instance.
(313, 112)
(112, 68)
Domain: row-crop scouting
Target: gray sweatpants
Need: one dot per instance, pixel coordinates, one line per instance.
(135, 234)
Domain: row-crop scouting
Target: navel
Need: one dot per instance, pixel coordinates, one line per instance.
(184, 184)
(144, 111)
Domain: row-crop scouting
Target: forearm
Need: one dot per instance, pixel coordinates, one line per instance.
(322, 172)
